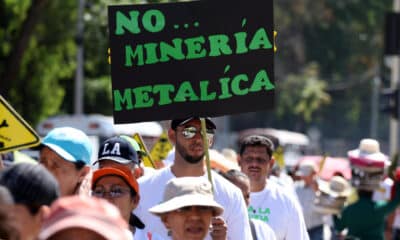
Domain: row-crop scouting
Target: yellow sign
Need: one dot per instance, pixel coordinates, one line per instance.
(279, 157)
(147, 161)
(161, 148)
(15, 133)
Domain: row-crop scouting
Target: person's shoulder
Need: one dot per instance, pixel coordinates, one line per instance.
(221, 181)
(155, 176)
(281, 193)
(224, 186)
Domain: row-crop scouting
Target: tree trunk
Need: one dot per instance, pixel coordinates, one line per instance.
(13, 61)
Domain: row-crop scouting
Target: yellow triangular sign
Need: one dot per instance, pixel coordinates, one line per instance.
(15, 133)
(161, 148)
(147, 161)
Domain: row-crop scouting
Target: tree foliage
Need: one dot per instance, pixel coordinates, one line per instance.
(345, 39)
(328, 52)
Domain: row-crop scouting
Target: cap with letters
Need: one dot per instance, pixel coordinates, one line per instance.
(118, 149)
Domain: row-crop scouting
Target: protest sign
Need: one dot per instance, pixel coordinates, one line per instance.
(204, 58)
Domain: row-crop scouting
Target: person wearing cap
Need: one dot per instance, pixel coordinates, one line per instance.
(84, 218)
(189, 162)
(142, 169)
(269, 201)
(118, 151)
(187, 208)
(259, 229)
(66, 153)
(306, 188)
(117, 185)
(365, 218)
(33, 190)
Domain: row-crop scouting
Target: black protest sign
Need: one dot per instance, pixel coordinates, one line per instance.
(203, 58)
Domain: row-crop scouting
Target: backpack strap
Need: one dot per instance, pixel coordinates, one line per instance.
(253, 230)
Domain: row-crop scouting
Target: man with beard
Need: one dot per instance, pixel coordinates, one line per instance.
(268, 201)
(189, 162)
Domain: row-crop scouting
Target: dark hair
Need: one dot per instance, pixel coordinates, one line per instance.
(31, 185)
(257, 140)
(235, 174)
(79, 164)
(365, 193)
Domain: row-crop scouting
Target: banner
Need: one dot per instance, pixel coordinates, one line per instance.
(203, 58)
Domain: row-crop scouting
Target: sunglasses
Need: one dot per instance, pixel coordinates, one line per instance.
(115, 192)
(190, 132)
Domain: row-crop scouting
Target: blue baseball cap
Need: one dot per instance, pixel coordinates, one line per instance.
(69, 143)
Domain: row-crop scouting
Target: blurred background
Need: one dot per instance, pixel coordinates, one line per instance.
(330, 70)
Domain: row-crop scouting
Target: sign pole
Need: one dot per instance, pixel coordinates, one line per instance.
(78, 95)
(207, 155)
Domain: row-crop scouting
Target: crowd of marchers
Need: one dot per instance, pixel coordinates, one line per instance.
(65, 195)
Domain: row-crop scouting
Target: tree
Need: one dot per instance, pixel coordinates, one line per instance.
(340, 38)
(38, 50)
(345, 39)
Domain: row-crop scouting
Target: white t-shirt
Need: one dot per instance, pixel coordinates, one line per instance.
(280, 210)
(396, 221)
(284, 181)
(306, 197)
(141, 234)
(384, 190)
(263, 231)
(225, 193)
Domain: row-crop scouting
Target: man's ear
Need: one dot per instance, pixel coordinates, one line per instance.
(136, 199)
(44, 212)
(272, 162)
(83, 173)
(172, 136)
(238, 159)
(210, 142)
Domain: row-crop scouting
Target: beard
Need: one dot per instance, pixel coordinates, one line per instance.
(185, 155)
(193, 160)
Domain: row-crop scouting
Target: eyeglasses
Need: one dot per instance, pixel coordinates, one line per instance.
(115, 192)
(187, 209)
(190, 132)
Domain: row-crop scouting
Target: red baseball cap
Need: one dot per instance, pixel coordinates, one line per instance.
(94, 214)
(122, 171)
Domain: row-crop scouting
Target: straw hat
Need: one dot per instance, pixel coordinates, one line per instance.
(336, 187)
(368, 154)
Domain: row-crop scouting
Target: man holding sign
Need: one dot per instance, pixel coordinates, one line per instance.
(201, 58)
(189, 157)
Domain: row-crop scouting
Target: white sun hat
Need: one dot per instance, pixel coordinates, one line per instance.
(187, 191)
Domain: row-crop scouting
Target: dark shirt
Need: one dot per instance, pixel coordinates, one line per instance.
(365, 218)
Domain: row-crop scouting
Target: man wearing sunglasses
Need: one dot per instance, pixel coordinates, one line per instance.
(185, 134)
